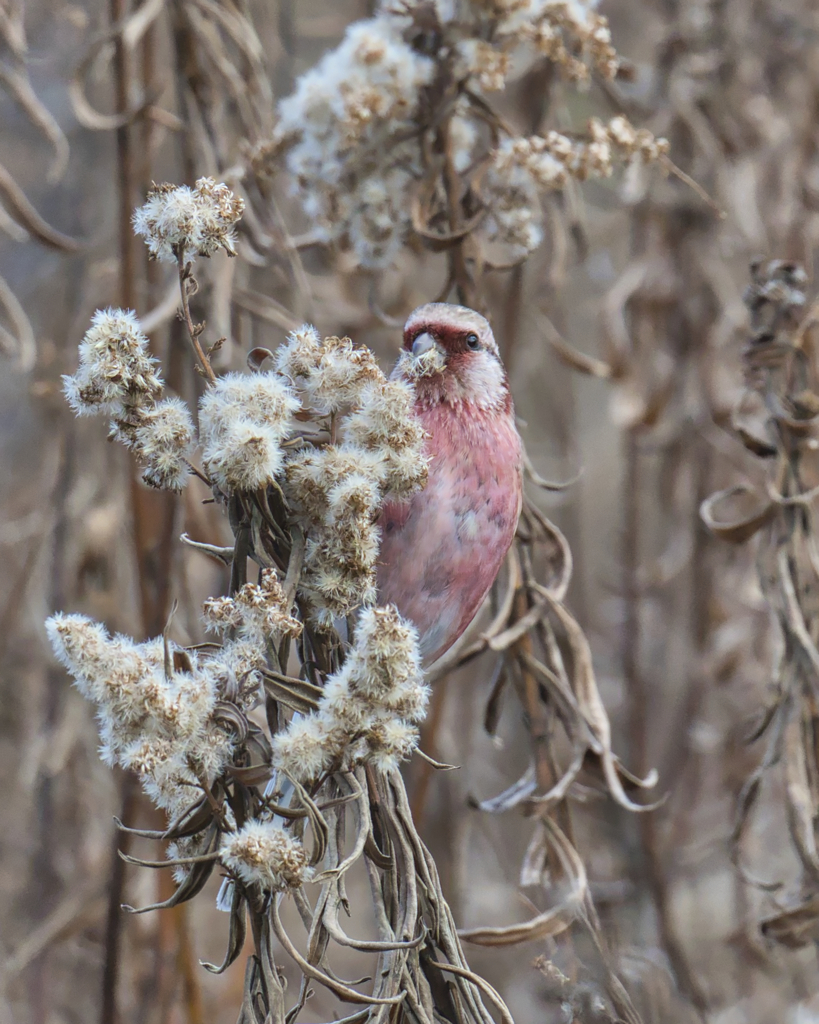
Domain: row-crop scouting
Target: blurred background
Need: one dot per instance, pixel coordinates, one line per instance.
(641, 268)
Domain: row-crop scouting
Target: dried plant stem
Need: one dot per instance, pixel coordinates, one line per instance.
(113, 919)
(117, 10)
(639, 723)
(193, 330)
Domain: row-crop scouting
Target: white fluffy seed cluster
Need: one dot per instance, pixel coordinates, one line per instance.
(569, 32)
(337, 490)
(355, 132)
(155, 718)
(243, 420)
(263, 854)
(118, 377)
(370, 708)
(163, 440)
(116, 370)
(177, 220)
(257, 613)
(339, 128)
(523, 168)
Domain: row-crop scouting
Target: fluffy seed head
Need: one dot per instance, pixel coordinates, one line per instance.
(246, 456)
(369, 708)
(262, 854)
(305, 750)
(116, 370)
(385, 651)
(385, 423)
(263, 398)
(157, 711)
(390, 742)
(179, 220)
(311, 476)
(258, 611)
(242, 420)
(300, 354)
(346, 134)
(342, 370)
(164, 440)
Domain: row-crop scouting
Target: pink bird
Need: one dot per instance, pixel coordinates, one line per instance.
(441, 550)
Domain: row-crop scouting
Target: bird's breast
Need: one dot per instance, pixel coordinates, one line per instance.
(441, 551)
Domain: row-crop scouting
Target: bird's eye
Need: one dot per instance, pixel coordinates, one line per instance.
(473, 341)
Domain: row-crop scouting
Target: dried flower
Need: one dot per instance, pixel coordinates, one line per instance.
(243, 420)
(337, 126)
(485, 62)
(305, 749)
(369, 708)
(262, 854)
(524, 167)
(258, 611)
(301, 354)
(355, 135)
(385, 655)
(310, 475)
(164, 440)
(158, 722)
(177, 220)
(339, 570)
(338, 490)
(236, 669)
(116, 370)
(385, 423)
(341, 372)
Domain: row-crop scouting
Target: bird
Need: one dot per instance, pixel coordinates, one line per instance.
(443, 548)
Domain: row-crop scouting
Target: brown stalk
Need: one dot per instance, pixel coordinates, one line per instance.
(117, 9)
(194, 330)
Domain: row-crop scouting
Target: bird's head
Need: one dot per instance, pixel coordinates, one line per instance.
(451, 355)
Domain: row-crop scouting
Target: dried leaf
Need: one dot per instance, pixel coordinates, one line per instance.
(550, 922)
(24, 213)
(130, 29)
(236, 933)
(265, 308)
(193, 883)
(20, 345)
(737, 529)
(795, 927)
(497, 686)
(593, 711)
(514, 795)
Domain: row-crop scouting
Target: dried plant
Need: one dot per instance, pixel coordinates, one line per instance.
(277, 802)
(18, 217)
(399, 105)
(487, 151)
(400, 109)
(775, 420)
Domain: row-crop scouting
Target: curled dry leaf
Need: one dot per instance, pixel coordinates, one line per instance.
(548, 840)
(736, 524)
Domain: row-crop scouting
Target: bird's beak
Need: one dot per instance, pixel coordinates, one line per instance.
(422, 344)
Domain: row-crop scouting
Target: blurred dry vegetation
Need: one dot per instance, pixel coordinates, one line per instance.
(632, 356)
